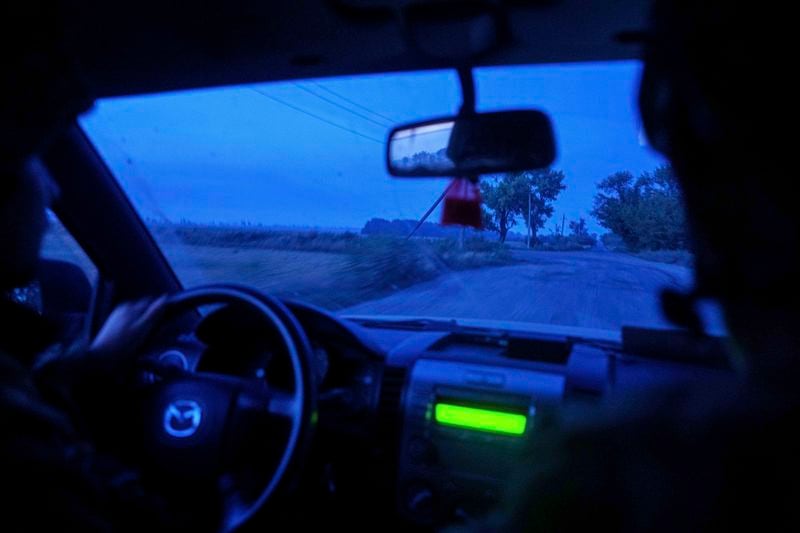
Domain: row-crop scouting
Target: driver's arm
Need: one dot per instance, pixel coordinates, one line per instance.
(116, 345)
(57, 470)
(91, 383)
(110, 357)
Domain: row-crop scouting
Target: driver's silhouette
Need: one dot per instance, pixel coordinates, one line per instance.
(717, 100)
(54, 472)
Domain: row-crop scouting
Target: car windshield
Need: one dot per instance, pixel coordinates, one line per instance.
(283, 186)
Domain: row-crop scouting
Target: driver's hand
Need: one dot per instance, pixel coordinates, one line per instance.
(84, 376)
(126, 330)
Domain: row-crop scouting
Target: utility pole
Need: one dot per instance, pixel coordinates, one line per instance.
(429, 211)
(529, 218)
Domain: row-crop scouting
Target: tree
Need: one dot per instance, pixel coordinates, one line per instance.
(430, 160)
(578, 229)
(487, 219)
(502, 195)
(507, 198)
(646, 212)
(579, 233)
(544, 186)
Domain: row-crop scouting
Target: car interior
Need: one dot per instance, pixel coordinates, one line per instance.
(294, 411)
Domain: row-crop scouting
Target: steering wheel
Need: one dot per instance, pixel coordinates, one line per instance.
(195, 421)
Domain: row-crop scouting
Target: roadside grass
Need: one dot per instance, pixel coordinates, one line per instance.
(556, 243)
(673, 257)
(225, 236)
(614, 243)
(333, 270)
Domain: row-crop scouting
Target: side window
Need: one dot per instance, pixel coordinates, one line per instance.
(60, 247)
(64, 286)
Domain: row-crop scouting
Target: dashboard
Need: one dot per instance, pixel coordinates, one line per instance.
(426, 420)
(466, 401)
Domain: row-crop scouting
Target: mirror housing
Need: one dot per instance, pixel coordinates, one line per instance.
(472, 144)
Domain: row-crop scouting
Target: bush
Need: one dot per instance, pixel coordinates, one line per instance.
(392, 263)
(383, 263)
(614, 243)
(569, 243)
(672, 257)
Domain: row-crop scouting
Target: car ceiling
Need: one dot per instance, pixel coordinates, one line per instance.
(153, 46)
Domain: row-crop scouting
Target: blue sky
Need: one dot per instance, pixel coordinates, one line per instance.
(257, 154)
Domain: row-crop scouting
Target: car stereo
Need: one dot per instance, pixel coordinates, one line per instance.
(465, 427)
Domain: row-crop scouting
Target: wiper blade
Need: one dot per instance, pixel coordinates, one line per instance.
(487, 329)
(429, 324)
(416, 324)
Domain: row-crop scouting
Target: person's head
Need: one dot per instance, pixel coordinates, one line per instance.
(716, 99)
(41, 93)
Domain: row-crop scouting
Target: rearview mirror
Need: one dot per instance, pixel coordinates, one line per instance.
(472, 144)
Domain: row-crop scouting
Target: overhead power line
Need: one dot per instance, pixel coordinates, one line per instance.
(354, 103)
(340, 106)
(313, 115)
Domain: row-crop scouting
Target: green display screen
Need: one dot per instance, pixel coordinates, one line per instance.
(480, 419)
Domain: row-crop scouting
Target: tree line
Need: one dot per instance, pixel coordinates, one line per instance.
(646, 212)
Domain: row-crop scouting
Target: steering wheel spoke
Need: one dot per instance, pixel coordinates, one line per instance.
(283, 404)
(260, 398)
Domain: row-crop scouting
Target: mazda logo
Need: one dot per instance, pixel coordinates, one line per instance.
(182, 418)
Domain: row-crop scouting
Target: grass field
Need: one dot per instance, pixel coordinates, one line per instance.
(333, 270)
(310, 276)
(330, 270)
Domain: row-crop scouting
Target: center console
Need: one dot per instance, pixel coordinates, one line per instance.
(467, 420)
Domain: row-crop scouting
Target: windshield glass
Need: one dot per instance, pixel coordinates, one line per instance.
(283, 186)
